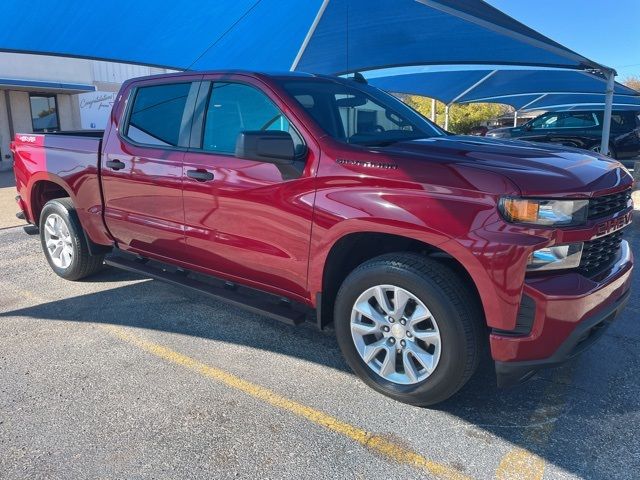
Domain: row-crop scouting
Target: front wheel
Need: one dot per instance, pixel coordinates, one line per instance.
(409, 327)
(63, 241)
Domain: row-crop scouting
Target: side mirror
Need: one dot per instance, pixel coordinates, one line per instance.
(266, 146)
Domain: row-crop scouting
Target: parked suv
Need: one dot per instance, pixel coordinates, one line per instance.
(309, 197)
(581, 129)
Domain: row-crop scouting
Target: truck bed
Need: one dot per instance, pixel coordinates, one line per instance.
(78, 133)
(67, 161)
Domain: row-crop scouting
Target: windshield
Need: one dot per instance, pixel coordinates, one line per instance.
(360, 114)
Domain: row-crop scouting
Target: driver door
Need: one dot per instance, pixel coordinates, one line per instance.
(245, 220)
(542, 128)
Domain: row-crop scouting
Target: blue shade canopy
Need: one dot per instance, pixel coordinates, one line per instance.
(528, 102)
(512, 82)
(320, 36)
(553, 102)
(445, 86)
(37, 85)
(518, 88)
(616, 107)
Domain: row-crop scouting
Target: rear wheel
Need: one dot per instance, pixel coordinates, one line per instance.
(64, 243)
(409, 327)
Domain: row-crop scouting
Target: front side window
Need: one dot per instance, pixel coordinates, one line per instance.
(235, 108)
(359, 114)
(44, 113)
(157, 113)
(546, 121)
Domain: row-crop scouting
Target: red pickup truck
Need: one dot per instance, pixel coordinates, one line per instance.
(310, 197)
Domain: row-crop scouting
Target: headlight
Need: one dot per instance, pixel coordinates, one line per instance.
(544, 212)
(555, 258)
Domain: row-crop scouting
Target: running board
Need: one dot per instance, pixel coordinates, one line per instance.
(247, 298)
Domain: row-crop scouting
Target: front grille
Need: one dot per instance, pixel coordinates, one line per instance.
(599, 254)
(608, 204)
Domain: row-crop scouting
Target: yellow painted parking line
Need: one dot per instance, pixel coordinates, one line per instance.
(375, 443)
(522, 464)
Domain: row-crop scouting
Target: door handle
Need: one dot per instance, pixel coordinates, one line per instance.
(115, 164)
(200, 175)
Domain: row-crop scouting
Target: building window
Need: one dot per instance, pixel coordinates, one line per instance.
(44, 113)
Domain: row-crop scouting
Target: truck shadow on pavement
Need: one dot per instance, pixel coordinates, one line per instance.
(563, 416)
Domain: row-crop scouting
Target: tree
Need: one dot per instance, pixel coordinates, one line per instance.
(632, 82)
(461, 117)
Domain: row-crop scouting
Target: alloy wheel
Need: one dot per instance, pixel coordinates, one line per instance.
(395, 334)
(58, 241)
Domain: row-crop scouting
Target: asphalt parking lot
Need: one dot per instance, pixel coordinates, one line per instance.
(124, 377)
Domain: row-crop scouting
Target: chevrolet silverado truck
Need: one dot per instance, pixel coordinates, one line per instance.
(322, 199)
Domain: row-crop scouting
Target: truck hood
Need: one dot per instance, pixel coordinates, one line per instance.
(534, 168)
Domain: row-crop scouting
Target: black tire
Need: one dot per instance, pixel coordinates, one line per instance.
(452, 303)
(82, 263)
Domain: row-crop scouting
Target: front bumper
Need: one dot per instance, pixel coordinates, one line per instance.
(583, 336)
(571, 313)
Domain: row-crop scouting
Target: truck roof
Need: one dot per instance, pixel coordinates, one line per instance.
(252, 73)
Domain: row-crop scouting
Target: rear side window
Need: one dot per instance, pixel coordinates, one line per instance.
(579, 120)
(156, 115)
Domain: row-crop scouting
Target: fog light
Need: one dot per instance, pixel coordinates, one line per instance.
(556, 257)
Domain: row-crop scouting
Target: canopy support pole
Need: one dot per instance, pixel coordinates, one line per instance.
(515, 118)
(446, 117)
(433, 109)
(608, 106)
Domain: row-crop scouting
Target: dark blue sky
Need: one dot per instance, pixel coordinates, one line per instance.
(607, 31)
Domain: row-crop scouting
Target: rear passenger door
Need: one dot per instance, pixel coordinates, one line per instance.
(142, 167)
(245, 219)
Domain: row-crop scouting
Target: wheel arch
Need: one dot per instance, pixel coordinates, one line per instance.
(43, 189)
(353, 249)
(51, 187)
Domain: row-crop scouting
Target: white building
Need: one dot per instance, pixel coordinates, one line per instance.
(43, 94)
